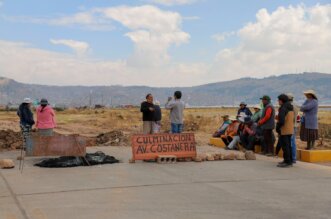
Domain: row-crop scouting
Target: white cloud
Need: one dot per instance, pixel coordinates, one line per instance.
(24, 63)
(153, 31)
(81, 48)
(290, 39)
(172, 2)
(219, 37)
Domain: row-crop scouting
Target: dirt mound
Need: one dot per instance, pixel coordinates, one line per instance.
(10, 139)
(113, 138)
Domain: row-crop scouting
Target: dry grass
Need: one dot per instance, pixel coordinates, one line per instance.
(93, 122)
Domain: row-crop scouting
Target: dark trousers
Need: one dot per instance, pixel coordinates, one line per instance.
(248, 142)
(285, 141)
(268, 141)
(227, 140)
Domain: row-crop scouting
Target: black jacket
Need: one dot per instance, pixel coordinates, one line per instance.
(25, 114)
(157, 113)
(147, 114)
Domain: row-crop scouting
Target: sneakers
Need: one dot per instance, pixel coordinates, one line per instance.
(284, 165)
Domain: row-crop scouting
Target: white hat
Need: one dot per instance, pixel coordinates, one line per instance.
(232, 118)
(290, 96)
(27, 100)
(312, 92)
(257, 106)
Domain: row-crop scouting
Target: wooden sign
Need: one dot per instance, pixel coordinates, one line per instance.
(57, 145)
(147, 147)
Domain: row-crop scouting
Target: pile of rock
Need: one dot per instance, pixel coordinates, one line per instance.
(191, 126)
(248, 155)
(10, 139)
(113, 138)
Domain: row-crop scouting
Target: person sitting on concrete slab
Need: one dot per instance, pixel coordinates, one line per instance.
(224, 126)
(247, 138)
(231, 131)
(235, 140)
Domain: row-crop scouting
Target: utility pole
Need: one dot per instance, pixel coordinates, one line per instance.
(90, 102)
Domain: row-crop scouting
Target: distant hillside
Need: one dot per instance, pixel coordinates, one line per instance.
(216, 94)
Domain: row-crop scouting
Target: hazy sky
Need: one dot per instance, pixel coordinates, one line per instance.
(161, 42)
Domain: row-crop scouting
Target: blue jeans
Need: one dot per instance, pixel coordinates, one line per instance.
(176, 128)
(294, 146)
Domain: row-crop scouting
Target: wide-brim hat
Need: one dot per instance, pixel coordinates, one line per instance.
(225, 116)
(232, 118)
(312, 92)
(27, 100)
(257, 106)
(243, 103)
(290, 96)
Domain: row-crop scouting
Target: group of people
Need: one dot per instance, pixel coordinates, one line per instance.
(247, 129)
(152, 115)
(45, 120)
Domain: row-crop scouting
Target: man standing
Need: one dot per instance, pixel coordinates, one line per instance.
(296, 125)
(176, 108)
(267, 123)
(284, 128)
(147, 109)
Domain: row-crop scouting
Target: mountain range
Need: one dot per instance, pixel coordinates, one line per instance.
(214, 94)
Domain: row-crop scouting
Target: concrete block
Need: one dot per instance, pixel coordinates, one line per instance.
(218, 142)
(166, 159)
(314, 156)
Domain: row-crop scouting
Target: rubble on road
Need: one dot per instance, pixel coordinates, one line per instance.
(113, 138)
(10, 139)
(250, 155)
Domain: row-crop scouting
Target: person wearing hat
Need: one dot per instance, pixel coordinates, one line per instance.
(231, 131)
(26, 122)
(244, 109)
(257, 113)
(224, 126)
(247, 137)
(296, 124)
(309, 124)
(45, 118)
(267, 124)
(285, 128)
